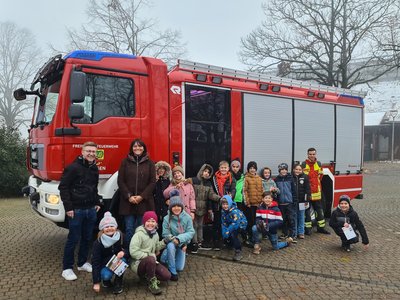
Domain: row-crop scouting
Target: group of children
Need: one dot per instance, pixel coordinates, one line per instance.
(241, 207)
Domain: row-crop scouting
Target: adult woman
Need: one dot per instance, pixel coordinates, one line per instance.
(136, 182)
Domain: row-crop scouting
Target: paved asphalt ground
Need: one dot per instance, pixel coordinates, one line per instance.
(31, 252)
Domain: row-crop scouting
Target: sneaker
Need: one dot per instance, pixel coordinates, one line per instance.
(292, 240)
(301, 236)
(174, 277)
(249, 244)
(106, 284)
(289, 240)
(283, 236)
(118, 287)
(217, 246)
(347, 248)
(204, 247)
(323, 231)
(154, 286)
(257, 249)
(86, 267)
(68, 274)
(195, 248)
(238, 256)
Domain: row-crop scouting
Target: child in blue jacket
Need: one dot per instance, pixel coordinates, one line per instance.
(287, 201)
(233, 222)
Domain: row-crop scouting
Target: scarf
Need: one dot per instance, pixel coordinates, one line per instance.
(221, 179)
(151, 232)
(108, 241)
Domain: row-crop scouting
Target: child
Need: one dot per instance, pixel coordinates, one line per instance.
(344, 216)
(232, 222)
(268, 183)
(268, 221)
(107, 244)
(185, 189)
(163, 173)
(203, 193)
(239, 177)
(178, 228)
(286, 200)
(253, 190)
(224, 184)
(144, 248)
(302, 185)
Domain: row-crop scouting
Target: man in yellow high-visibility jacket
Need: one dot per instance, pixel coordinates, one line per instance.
(312, 167)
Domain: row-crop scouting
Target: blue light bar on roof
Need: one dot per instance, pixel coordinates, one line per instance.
(360, 99)
(96, 55)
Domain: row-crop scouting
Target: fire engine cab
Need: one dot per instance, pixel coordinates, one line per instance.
(193, 114)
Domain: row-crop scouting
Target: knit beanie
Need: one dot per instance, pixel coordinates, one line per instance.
(344, 198)
(252, 164)
(174, 199)
(237, 161)
(149, 215)
(107, 221)
(178, 168)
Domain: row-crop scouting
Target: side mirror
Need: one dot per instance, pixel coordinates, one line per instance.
(76, 112)
(77, 88)
(20, 94)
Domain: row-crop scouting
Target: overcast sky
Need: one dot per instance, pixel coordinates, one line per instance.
(211, 28)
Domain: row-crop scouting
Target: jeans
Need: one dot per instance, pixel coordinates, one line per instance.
(236, 244)
(80, 231)
(174, 257)
(131, 223)
(272, 235)
(300, 220)
(106, 274)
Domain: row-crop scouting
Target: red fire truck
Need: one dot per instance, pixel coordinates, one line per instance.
(193, 114)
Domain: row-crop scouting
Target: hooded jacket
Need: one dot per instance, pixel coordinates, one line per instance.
(162, 183)
(287, 189)
(338, 218)
(143, 245)
(78, 185)
(253, 189)
(180, 227)
(232, 219)
(203, 190)
(136, 176)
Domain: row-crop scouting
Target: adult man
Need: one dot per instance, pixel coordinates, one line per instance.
(78, 191)
(312, 167)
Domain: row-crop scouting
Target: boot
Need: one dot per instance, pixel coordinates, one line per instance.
(257, 249)
(323, 230)
(106, 284)
(153, 286)
(308, 231)
(118, 288)
(238, 255)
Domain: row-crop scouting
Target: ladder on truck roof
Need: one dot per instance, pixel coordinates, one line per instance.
(194, 66)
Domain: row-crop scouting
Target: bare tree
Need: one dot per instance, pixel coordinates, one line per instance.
(18, 62)
(334, 42)
(118, 26)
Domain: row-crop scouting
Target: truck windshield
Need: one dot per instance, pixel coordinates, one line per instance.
(46, 109)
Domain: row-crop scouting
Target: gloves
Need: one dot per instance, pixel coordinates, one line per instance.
(261, 226)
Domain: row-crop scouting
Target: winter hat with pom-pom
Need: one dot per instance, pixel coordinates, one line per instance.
(108, 221)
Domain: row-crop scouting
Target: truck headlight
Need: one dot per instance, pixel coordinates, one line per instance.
(52, 199)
